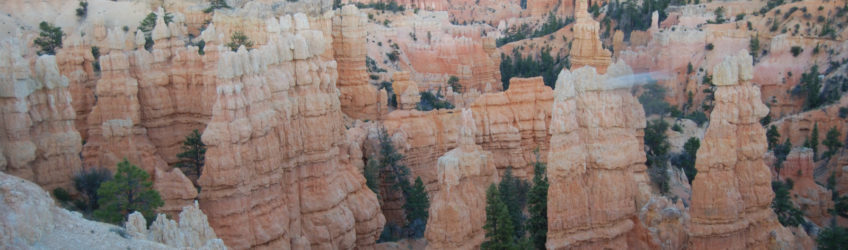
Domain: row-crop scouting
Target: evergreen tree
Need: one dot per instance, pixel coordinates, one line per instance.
(690, 150)
(832, 238)
(814, 141)
(811, 85)
(513, 193)
(773, 137)
(656, 150)
(87, 182)
(49, 39)
(416, 208)
(537, 225)
(371, 173)
(780, 153)
(193, 156)
(787, 213)
(238, 39)
(498, 227)
(832, 142)
(130, 190)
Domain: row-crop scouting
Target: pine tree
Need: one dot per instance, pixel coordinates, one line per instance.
(814, 141)
(787, 213)
(537, 225)
(832, 238)
(690, 149)
(416, 208)
(87, 182)
(371, 173)
(193, 156)
(498, 227)
(130, 190)
(773, 137)
(49, 39)
(832, 142)
(513, 193)
(780, 153)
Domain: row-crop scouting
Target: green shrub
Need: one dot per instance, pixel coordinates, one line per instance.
(49, 39)
(238, 39)
(130, 190)
(796, 50)
(87, 182)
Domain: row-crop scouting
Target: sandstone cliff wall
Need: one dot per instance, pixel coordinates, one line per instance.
(278, 173)
(593, 159)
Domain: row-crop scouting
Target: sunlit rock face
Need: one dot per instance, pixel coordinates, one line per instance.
(278, 174)
(38, 140)
(813, 199)
(358, 98)
(732, 191)
(594, 160)
(458, 211)
(587, 48)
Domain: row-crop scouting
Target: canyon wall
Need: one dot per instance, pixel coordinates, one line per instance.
(278, 171)
(593, 159)
(731, 195)
(587, 48)
(458, 211)
(358, 98)
(38, 138)
(813, 199)
(513, 125)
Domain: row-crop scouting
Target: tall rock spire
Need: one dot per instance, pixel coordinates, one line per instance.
(587, 49)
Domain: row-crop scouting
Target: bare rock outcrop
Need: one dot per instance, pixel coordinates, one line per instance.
(278, 174)
(406, 91)
(594, 158)
(732, 193)
(458, 211)
(587, 48)
(813, 199)
(358, 98)
(30, 219)
(38, 138)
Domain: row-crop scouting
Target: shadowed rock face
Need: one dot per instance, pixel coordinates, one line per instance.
(278, 174)
(593, 159)
(732, 192)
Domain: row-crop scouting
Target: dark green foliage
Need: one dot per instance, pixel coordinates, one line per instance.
(811, 85)
(686, 160)
(537, 224)
(551, 25)
(832, 238)
(689, 68)
(392, 6)
(656, 150)
(513, 193)
(653, 99)
(393, 56)
(95, 51)
(754, 45)
(146, 26)
(699, 117)
(216, 4)
(453, 82)
(337, 4)
(840, 206)
(87, 182)
(595, 9)
(130, 190)
(676, 127)
(430, 102)
(832, 141)
(772, 136)
(499, 229)
(796, 50)
(49, 39)
(372, 173)
(518, 66)
(766, 119)
(62, 195)
(787, 213)
(709, 46)
(780, 153)
(82, 10)
(193, 156)
(629, 16)
(719, 15)
(416, 208)
(238, 39)
(843, 112)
